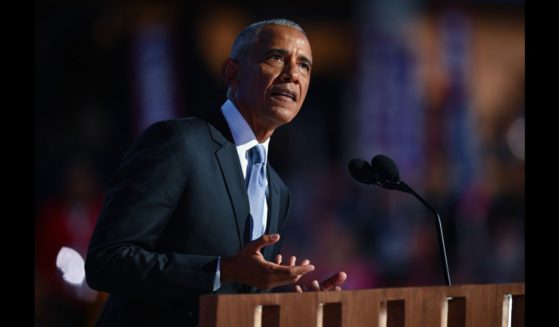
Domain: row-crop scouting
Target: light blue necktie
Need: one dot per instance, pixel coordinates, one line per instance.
(256, 188)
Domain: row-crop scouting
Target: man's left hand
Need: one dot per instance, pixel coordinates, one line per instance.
(334, 283)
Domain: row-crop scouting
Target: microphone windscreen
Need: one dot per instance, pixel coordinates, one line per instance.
(385, 168)
(361, 170)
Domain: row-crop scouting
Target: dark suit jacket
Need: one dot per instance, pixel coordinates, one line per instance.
(176, 203)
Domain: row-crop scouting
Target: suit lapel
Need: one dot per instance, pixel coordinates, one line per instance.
(235, 187)
(231, 170)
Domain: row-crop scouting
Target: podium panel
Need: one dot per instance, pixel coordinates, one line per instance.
(486, 305)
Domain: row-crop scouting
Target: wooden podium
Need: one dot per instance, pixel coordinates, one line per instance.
(495, 305)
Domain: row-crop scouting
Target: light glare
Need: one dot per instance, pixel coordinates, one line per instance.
(72, 265)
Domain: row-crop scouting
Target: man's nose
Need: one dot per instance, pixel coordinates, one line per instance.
(290, 73)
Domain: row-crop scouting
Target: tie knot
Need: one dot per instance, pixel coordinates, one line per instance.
(257, 154)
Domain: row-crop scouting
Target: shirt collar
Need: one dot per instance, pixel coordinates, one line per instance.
(242, 133)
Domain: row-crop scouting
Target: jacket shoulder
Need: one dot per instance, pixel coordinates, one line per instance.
(178, 130)
(179, 125)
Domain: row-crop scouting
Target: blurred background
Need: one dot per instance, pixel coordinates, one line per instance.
(436, 85)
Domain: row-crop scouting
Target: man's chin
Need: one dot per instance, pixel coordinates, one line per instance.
(282, 115)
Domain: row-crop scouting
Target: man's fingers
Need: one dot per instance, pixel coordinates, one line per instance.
(301, 270)
(264, 240)
(334, 283)
(305, 262)
(279, 275)
(292, 272)
(315, 286)
(278, 259)
(292, 261)
(336, 280)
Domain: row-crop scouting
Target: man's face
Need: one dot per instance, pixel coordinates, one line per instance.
(273, 79)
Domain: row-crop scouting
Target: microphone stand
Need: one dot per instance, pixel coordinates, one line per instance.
(401, 186)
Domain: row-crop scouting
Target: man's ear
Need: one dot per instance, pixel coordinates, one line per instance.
(229, 70)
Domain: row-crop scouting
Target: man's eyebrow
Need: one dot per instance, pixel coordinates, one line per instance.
(278, 51)
(284, 52)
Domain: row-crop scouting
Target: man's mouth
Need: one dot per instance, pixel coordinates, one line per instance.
(284, 93)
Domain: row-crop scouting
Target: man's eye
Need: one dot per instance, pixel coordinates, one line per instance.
(305, 66)
(276, 57)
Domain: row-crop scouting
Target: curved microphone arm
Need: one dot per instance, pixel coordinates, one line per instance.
(401, 186)
(383, 172)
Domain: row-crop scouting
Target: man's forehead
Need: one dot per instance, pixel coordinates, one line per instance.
(273, 35)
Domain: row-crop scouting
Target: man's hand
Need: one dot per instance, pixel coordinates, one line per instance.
(334, 283)
(249, 267)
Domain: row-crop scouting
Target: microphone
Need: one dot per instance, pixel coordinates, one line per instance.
(383, 172)
(361, 171)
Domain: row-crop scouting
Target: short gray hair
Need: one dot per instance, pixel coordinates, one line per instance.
(248, 36)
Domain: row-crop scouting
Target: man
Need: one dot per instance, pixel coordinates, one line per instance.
(194, 208)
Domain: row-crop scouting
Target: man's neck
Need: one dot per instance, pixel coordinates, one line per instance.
(262, 131)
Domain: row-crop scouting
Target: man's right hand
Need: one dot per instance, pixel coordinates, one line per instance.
(249, 267)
